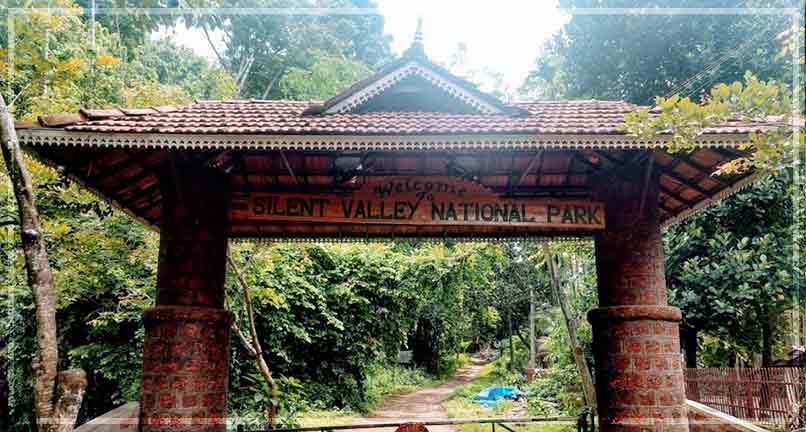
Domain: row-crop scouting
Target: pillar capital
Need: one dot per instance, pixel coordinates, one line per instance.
(187, 313)
(634, 313)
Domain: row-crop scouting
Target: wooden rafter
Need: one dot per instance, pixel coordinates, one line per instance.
(675, 195)
(116, 169)
(146, 208)
(666, 208)
(139, 194)
(687, 182)
(682, 157)
(672, 194)
(537, 158)
(127, 182)
(288, 167)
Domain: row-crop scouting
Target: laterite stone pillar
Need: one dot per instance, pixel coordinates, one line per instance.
(186, 353)
(639, 379)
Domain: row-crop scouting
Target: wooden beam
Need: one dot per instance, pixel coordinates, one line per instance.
(148, 207)
(538, 157)
(568, 171)
(668, 209)
(650, 162)
(288, 167)
(703, 169)
(125, 182)
(686, 182)
(665, 172)
(114, 170)
(675, 196)
(139, 194)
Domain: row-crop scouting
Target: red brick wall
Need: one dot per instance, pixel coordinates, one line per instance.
(185, 364)
(186, 353)
(639, 376)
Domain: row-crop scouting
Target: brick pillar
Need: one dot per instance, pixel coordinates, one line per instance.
(186, 353)
(639, 379)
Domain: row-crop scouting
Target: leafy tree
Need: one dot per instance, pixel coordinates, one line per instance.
(131, 24)
(260, 49)
(636, 57)
(733, 279)
(327, 76)
(559, 387)
(167, 64)
(56, 70)
(103, 264)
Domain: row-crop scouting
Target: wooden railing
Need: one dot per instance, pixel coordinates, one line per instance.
(764, 395)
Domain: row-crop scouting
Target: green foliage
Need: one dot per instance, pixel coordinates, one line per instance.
(260, 49)
(104, 265)
(749, 101)
(327, 76)
(55, 69)
(448, 313)
(729, 268)
(460, 404)
(332, 316)
(635, 57)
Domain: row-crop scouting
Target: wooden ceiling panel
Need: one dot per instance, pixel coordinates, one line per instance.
(131, 177)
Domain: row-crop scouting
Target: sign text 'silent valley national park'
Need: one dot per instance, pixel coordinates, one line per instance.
(422, 201)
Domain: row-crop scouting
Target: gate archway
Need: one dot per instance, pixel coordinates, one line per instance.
(411, 152)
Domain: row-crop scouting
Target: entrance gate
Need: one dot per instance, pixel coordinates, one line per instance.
(412, 152)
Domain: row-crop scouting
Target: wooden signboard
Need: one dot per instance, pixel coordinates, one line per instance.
(430, 201)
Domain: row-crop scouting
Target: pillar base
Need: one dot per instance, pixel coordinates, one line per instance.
(639, 376)
(185, 368)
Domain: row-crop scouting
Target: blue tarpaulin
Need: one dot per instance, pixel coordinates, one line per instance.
(491, 396)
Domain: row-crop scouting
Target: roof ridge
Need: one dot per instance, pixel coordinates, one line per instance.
(239, 101)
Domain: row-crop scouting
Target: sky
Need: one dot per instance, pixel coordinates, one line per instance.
(502, 36)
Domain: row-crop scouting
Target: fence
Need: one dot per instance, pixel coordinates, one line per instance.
(763, 395)
(581, 422)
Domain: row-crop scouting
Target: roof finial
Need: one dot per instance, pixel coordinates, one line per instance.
(417, 48)
(418, 35)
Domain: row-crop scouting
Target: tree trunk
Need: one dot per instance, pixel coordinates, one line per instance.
(766, 355)
(40, 280)
(690, 345)
(766, 337)
(531, 327)
(254, 347)
(588, 389)
(511, 345)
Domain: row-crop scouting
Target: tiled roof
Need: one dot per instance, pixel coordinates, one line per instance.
(258, 117)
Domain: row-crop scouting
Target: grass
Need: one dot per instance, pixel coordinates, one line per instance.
(330, 417)
(460, 405)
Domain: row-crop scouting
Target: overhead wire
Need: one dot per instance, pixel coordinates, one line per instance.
(714, 66)
(714, 76)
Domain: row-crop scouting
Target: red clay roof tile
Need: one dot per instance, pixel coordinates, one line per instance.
(280, 117)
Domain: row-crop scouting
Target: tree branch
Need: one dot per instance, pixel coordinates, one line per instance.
(273, 81)
(570, 323)
(212, 45)
(255, 349)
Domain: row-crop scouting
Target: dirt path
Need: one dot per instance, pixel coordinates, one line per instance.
(421, 405)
